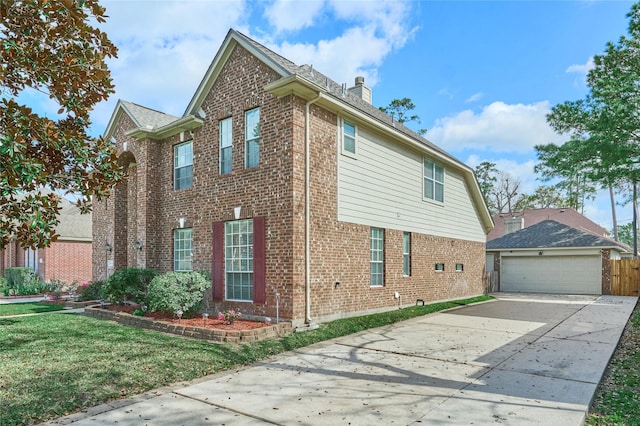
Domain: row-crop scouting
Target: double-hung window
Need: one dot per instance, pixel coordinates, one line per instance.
(406, 254)
(252, 138)
(348, 137)
(238, 255)
(226, 133)
(183, 165)
(377, 257)
(182, 250)
(433, 181)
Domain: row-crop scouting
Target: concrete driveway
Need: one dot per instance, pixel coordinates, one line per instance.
(522, 359)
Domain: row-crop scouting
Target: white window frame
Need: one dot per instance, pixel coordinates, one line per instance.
(346, 136)
(239, 282)
(182, 160)
(432, 182)
(251, 125)
(226, 144)
(406, 254)
(183, 250)
(376, 257)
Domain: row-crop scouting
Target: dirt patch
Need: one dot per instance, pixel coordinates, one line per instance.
(192, 322)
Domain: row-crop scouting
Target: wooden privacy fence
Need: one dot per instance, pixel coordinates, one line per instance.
(491, 281)
(625, 277)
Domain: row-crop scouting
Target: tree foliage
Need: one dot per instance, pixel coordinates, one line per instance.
(401, 110)
(49, 47)
(603, 150)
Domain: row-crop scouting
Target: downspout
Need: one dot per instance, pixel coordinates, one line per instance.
(307, 211)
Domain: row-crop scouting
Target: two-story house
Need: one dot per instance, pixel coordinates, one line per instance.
(300, 197)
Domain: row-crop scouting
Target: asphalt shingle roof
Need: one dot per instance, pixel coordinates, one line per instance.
(550, 234)
(146, 117)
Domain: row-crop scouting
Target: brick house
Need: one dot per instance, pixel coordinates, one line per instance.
(68, 259)
(299, 197)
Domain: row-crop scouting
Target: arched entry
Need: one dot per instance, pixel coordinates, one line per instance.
(126, 215)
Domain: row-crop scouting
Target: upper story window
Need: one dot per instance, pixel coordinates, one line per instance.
(226, 136)
(433, 181)
(348, 137)
(252, 138)
(183, 165)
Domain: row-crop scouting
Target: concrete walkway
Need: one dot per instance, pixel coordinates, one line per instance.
(520, 360)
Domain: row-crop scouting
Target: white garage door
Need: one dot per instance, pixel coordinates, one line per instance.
(552, 274)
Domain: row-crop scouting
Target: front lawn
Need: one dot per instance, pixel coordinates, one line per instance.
(28, 308)
(53, 365)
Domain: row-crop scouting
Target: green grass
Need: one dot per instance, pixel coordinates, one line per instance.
(617, 399)
(54, 365)
(28, 308)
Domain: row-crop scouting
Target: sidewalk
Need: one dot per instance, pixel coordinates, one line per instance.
(521, 360)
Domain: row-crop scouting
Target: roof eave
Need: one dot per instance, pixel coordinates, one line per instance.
(613, 247)
(190, 122)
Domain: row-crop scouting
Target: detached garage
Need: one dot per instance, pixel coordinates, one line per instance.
(550, 257)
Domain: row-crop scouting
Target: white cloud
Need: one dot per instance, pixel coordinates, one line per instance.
(475, 97)
(375, 29)
(581, 71)
(288, 15)
(498, 127)
(582, 68)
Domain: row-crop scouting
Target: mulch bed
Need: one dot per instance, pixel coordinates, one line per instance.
(211, 322)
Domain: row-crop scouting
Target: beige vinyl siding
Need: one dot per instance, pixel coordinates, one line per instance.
(382, 187)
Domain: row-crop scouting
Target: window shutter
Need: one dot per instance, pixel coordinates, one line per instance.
(259, 268)
(217, 274)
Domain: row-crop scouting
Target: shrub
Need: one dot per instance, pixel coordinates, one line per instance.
(177, 291)
(21, 281)
(127, 285)
(90, 291)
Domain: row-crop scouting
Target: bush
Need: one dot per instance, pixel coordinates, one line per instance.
(89, 291)
(21, 282)
(127, 285)
(176, 291)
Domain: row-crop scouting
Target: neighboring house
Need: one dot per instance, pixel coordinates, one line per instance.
(510, 222)
(551, 257)
(68, 259)
(298, 196)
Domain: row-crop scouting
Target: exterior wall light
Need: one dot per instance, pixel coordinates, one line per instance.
(138, 245)
(107, 247)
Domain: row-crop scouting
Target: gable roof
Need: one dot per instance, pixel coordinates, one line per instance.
(73, 226)
(567, 216)
(551, 234)
(141, 116)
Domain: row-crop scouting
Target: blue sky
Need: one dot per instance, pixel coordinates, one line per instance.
(483, 74)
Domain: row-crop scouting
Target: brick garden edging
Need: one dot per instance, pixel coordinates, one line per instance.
(211, 334)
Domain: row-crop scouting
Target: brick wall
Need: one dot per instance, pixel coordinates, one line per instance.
(148, 209)
(67, 261)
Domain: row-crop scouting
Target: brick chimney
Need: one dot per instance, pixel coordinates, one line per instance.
(513, 224)
(361, 90)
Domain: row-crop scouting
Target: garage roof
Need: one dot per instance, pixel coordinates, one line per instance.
(551, 234)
